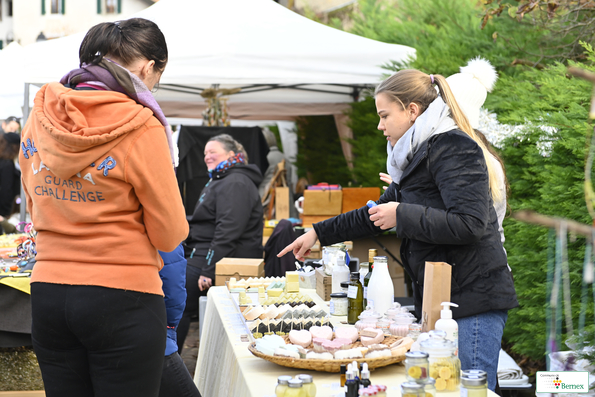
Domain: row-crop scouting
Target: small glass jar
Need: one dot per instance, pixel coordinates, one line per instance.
(414, 331)
(282, 385)
(417, 366)
(308, 384)
(384, 324)
(430, 387)
(412, 389)
(474, 386)
(368, 319)
(338, 304)
(445, 366)
(400, 323)
(294, 389)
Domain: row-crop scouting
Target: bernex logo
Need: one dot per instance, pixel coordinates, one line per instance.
(562, 382)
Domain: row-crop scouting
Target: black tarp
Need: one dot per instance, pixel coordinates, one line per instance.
(192, 172)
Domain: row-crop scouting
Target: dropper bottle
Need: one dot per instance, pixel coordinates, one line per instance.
(351, 387)
(365, 376)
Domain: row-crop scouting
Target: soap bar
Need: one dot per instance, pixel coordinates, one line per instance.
(292, 286)
(274, 292)
(292, 277)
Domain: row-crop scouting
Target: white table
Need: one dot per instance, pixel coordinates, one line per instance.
(225, 366)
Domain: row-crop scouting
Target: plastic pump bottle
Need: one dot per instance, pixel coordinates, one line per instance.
(448, 325)
(340, 273)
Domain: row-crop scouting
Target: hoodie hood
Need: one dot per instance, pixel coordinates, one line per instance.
(81, 126)
(250, 170)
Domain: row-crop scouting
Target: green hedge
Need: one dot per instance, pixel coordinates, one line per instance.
(446, 33)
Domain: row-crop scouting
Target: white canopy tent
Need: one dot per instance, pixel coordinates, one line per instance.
(286, 64)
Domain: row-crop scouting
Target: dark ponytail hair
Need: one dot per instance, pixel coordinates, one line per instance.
(127, 41)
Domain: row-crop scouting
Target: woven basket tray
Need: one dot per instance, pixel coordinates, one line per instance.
(329, 365)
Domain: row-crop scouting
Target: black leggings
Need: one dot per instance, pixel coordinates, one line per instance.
(98, 342)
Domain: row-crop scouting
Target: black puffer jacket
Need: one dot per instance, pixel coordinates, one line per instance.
(445, 215)
(227, 220)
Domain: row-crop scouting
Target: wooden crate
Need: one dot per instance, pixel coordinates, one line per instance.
(324, 284)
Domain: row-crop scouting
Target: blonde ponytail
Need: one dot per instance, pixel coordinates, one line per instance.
(464, 125)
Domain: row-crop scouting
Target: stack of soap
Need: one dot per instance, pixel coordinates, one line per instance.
(255, 282)
(292, 282)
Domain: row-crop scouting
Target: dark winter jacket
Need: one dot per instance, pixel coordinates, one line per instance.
(10, 186)
(227, 220)
(173, 277)
(445, 214)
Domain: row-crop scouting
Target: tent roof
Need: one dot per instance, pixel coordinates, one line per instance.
(253, 44)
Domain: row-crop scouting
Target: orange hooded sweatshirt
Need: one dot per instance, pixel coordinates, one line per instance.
(101, 190)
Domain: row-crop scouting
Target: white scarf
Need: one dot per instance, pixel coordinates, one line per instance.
(435, 120)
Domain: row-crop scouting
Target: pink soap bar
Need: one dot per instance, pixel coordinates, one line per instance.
(347, 333)
(370, 341)
(325, 332)
(301, 338)
(345, 343)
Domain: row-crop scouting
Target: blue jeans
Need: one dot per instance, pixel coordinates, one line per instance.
(480, 339)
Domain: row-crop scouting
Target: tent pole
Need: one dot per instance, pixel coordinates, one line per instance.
(26, 110)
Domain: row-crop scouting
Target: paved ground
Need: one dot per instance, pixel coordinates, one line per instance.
(190, 350)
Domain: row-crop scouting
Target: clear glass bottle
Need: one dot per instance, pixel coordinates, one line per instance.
(294, 389)
(355, 299)
(380, 288)
(445, 366)
(412, 389)
(308, 384)
(474, 386)
(417, 366)
(282, 385)
(371, 254)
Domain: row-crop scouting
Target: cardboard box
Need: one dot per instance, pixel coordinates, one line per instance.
(436, 290)
(309, 220)
(238, 268)
(357, 197)
(281, 202)
(324, 284)
(322, 202)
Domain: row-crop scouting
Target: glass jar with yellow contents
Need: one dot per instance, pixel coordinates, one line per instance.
(282, 385)
(308, 384)
(295, 389)
(412, 389)
(416, 366)
(445, 366)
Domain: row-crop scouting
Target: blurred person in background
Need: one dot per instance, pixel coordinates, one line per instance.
(11, 124)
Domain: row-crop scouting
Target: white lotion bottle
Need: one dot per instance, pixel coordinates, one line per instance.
(381, 292)
(340, 273)
(448, 325)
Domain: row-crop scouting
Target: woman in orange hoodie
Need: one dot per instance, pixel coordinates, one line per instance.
(98, 172)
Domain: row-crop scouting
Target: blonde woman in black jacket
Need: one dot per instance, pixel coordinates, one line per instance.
(441, 203)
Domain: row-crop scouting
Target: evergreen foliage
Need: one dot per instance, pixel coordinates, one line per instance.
(551, 185)
(446, 34)
(320, 157)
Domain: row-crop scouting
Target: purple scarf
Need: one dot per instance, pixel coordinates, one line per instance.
(110, 75)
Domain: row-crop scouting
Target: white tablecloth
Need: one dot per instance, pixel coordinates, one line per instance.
(225, 366)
